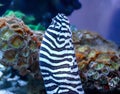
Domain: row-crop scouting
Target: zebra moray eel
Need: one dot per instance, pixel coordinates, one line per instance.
(57, 59)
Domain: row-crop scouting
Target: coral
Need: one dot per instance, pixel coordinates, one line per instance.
(28, 19)
(92, 39)
(98, 61)
(11, 82)
(19, 45)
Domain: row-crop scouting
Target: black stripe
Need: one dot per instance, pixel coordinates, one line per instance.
(66, 23)
(54, 67)
(47, 44)
(51, 88)
(69, 92)
(60, 20)
(75, 66)
(59, 36)
(59, 72)
(58, 30)
(62, 36)
(62, 17)
(58, 55)
(52, 42)
(80, 89)
(70, 79)
(53, 61)
(56, 49)
(53, 28)
(63, 83)
(57, 20)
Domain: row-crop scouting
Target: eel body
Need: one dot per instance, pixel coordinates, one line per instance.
(57, 59)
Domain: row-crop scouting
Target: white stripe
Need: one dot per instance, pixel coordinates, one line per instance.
(69, 76)
(64, 29)
(55, 64)
(47, 41)
(54, 40)
(67, 26)
(60, 39)
(63, 75)
(53, 31)
(56, 57)
(71, 88)
(65, 34)
(79, 86)
(50, 84)
(53, 91)
(66, 20)
(63, 90)
(58, 25)
(58, 18)
(70, 45)
(63, 17)
(54, 71)
(62, 80)
(45, 73)
(57, 52)
(59, 33)
(75, 69)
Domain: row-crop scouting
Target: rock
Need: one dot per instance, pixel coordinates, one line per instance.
(5, 92)
(1, 74)
(22, 83)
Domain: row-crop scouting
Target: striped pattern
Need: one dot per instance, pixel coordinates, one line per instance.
(57, 59)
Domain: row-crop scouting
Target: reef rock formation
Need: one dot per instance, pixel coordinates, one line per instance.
(19, 68)
(19, 46)
(98, 59)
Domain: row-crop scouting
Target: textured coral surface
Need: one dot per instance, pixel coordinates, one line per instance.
(98, 61)
(19, 46)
